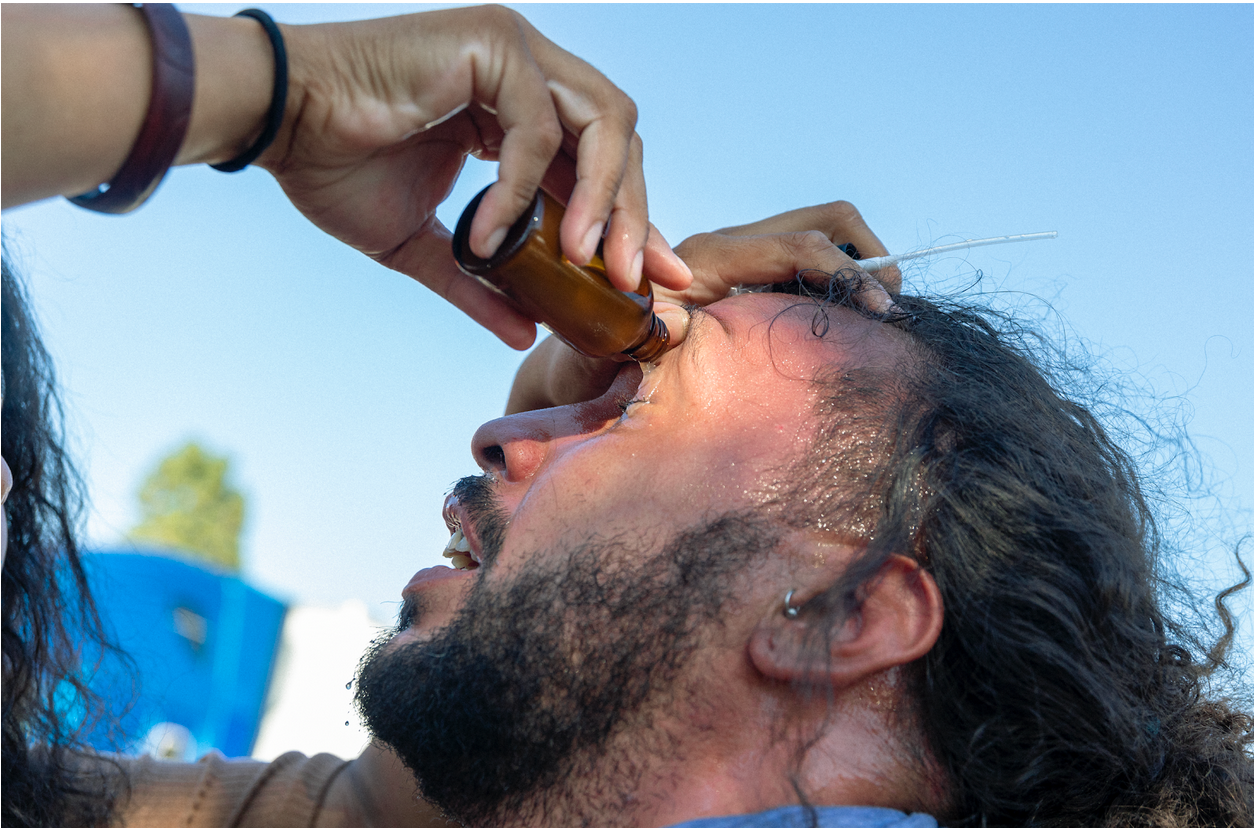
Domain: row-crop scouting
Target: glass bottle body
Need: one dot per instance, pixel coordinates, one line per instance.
(576, 303)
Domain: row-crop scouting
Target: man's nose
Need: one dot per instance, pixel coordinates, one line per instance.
(514, 447)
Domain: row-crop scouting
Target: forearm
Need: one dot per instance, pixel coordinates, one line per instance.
(77, 82)
(532, 386)
(554, 374)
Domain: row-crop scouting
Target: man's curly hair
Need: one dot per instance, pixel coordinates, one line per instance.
(1061, 691)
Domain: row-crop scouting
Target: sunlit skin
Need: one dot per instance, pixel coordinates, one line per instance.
(706, 431)
(709, 430)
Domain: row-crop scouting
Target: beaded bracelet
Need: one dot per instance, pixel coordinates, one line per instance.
(165, 125)
(278, 98)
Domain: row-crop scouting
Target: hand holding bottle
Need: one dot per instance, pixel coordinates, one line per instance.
(387, 110)
(379, 116)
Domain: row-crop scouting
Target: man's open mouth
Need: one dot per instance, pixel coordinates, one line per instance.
(458, 550)
(459, 553)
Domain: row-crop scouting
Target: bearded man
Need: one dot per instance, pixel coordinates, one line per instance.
(828, 562)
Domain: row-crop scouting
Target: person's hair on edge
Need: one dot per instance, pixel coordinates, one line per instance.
(1074, 680)
(49, 615)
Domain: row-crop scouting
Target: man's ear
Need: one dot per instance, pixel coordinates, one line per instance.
(897, 622)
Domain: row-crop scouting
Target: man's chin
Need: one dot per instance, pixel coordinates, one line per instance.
(495, 709)
(418, 622)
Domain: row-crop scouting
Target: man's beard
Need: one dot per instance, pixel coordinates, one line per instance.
(507, 714)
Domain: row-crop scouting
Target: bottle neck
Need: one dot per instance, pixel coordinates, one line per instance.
(654, 343)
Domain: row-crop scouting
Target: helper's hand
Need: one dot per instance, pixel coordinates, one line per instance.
(384, 112)
(380, 116)
(775, 250)
(764, 252)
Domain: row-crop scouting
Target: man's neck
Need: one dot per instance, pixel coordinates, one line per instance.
(686, 768)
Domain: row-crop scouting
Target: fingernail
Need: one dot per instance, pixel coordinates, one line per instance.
(494, 241)
(886, 299)
(591, 239)
(687, 269)
(637, 270)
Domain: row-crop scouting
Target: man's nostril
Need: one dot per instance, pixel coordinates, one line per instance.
(494, 456)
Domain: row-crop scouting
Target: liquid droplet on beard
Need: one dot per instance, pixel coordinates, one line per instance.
(349, 686)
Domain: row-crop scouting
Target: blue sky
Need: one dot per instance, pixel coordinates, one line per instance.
(346, 394)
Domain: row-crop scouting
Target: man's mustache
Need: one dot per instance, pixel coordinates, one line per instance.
(482, 510)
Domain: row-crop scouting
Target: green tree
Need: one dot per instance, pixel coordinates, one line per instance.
(187, 503)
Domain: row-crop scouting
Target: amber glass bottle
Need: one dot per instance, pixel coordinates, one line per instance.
(577, 303)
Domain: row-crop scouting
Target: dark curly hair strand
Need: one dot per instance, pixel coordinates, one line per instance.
(49, 614)
(1061, 691)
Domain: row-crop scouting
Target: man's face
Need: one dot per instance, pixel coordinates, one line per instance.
(614, 544)
(709, 430)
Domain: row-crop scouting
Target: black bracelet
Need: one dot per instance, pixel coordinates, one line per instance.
(165, 124)
(278, 101)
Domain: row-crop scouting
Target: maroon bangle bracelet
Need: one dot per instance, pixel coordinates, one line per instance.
(165, 125)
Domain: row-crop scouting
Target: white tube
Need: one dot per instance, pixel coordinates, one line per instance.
(872, 265)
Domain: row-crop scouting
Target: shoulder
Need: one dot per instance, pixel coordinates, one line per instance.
(219, 792)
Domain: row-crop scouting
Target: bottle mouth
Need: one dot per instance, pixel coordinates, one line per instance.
(515, 237)
(654, 344)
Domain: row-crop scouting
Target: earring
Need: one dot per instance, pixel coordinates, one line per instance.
(789, 610)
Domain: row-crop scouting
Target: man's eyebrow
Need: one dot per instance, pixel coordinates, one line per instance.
(700, 318)
(699, 327)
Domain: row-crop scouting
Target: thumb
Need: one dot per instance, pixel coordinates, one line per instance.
(676, 318)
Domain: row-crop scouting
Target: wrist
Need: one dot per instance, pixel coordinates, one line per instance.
(234, 85)
(300, 42)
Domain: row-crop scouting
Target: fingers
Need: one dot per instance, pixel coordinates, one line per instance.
(608, 198)
(508, 79)
(839, 221)
(544, 96)
(720, 262)
(677, 319)
(662, 264)
(627, 232)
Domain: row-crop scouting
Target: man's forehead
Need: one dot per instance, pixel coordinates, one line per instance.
(793, 330)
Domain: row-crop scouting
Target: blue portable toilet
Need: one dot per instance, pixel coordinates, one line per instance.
(202, 644)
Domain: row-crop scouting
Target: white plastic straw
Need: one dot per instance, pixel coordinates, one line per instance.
(872, 265)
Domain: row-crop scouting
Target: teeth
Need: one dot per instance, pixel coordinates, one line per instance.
(456, 543)
(458, 551)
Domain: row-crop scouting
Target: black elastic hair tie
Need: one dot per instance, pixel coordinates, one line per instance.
(278, 102)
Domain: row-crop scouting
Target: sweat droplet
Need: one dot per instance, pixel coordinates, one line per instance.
(348, 686)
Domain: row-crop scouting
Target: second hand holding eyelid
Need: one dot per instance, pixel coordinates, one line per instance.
(872, 265)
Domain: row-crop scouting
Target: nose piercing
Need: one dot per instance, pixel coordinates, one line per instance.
(789, 610)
